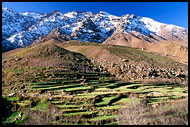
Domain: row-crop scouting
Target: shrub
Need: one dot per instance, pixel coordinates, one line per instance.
(133, 115)
(176, 113)
(38, 117)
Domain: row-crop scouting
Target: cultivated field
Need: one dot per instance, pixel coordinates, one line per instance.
(90, 98)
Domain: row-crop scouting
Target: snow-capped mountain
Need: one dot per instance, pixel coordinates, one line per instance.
(167, 31)
(13, 23)
(35, 15)
(22, 29)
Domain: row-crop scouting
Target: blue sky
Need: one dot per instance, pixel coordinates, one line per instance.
(166, 12)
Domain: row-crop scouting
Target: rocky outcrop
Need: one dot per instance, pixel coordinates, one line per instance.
(87, 31)
(140, 71)
(130, 69)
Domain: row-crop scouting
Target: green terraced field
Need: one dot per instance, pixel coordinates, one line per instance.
(96, 100)
(101, 118)
(79, 113)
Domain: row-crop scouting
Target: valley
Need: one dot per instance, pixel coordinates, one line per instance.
(84, 83)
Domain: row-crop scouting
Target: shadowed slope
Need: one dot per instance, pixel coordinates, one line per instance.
(45, 54)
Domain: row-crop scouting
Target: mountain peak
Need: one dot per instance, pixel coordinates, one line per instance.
(21, 29)
(5, 8)
(55, 11)
(9, 10)
(104, 13)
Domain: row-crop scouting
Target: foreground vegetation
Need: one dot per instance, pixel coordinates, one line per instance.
(87, 98)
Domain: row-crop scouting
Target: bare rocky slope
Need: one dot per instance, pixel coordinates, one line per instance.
(132, 64)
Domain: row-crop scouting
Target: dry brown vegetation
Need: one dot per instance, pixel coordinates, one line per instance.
(173, 50)
(39, 117)
(138, 113)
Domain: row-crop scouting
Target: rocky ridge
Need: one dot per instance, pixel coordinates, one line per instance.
(22, 29)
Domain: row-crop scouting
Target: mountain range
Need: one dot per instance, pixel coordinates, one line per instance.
(22, 29)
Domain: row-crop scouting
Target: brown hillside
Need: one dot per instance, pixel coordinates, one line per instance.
(175, 50)
(130, 63)
(171, 49)
(127, 39)
(43, 55)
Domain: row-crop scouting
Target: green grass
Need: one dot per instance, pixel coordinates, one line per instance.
(123, 100)
(103, 89)
(103, 118)
(105, 100)
(110, 107)
(77, 88)
(113, 123)
(42, 105)
(55, 102)
(79, 113)
(68, 106)
(24, 103)
(11, 118)
(174, 97)
(13, 98)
